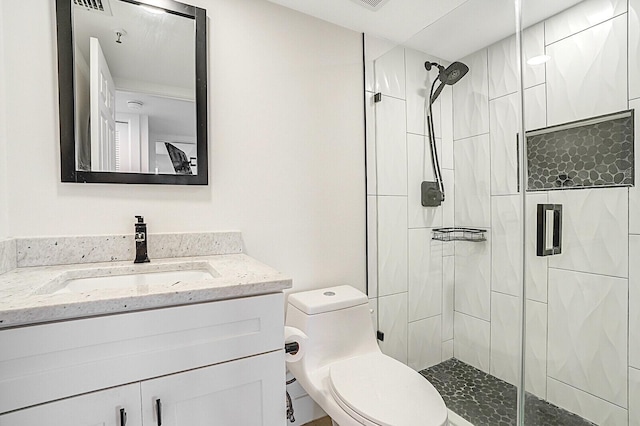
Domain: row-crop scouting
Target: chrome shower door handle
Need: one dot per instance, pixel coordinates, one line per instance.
(549, 229)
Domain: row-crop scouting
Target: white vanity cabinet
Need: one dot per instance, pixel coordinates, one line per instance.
(98, 408)
(235, 393)
(220, 363)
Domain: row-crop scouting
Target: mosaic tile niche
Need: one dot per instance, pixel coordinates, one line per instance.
(596, 152)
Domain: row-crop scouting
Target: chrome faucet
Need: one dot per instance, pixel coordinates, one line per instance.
(141, 241)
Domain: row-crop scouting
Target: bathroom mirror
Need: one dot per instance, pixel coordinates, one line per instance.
(132, 79)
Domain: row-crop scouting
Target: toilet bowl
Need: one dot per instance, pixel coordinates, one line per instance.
(344, 371)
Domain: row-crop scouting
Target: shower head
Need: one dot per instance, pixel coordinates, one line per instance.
(451, 75)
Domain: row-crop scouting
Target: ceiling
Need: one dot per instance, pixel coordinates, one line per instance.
(167, 117)
(157, 52)
(448, 29)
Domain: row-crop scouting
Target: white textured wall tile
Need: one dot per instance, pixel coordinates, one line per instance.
(634, 301)
(582, 16)
(473, 278)
(535, 107)
(471, 98)
(373, 309)
(369, 76)
(536, 349)
(576, 88)
(420, 169)
(447, 350)
(473, 182)
(392, 320)
(374, 48)
(392, 245)
(504, 116)
(448, 206)
(448, 285)
(535, 266)
(472, 340)
(418, 84)
(449, 249)
(372, 245)
(372, 168)
(446, 127)
(391, 147)
(634, 49)
(505, 337)
(532, 46)
(595, 242)
(585, 405)
(634, 193)
(503, 68)
(506, 244)
(425, 275)
(634, 397)
(425, 343)
(587, 346)
(389, 73)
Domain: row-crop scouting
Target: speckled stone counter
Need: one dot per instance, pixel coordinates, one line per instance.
(30, 295)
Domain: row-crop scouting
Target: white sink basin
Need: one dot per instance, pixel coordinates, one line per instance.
(82, 285)
(138, 276)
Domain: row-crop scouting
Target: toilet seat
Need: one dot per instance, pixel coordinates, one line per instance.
(377, 390)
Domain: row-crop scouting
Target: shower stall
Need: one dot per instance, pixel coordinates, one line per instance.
(503, 211)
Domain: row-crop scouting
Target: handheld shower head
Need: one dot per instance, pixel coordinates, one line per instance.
(433, 192)
(451, 75)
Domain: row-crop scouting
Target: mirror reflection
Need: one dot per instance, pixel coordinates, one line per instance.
(134, 79)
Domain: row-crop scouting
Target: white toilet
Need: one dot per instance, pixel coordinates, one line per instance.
(344, 371)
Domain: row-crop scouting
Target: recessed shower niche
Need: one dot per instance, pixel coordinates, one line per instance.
(596, 152)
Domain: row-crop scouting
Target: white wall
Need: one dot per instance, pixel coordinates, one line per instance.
(4, 232)
(286, 143)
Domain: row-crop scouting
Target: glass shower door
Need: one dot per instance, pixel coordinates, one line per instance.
(446, 280)
(582, 341)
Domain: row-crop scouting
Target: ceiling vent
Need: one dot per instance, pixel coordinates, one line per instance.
(374, 5)
(100, 6)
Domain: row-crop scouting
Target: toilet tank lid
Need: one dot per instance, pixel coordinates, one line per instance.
(327, 299)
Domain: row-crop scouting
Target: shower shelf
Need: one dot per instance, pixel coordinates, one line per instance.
(459, 234)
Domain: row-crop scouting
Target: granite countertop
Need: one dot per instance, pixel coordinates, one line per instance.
(31, 295)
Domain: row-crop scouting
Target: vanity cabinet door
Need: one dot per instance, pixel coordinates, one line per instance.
(93, 409)
(247, 392)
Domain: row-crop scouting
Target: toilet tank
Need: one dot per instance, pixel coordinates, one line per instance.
(337, 322)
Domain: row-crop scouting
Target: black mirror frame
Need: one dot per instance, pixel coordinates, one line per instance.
(67, 101)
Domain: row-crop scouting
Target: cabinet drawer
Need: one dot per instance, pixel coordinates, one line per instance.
(51, 361)
(96, 408)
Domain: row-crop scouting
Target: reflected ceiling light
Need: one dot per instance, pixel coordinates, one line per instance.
(152, 9)
(133, 104)
(538, 60)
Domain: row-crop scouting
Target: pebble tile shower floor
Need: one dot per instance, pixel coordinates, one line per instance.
(485, 400)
